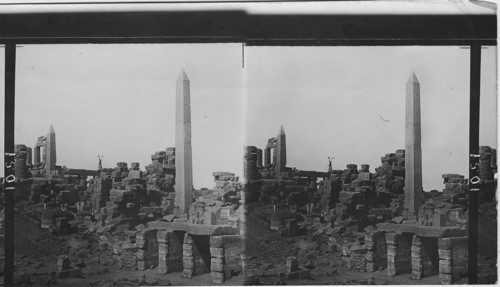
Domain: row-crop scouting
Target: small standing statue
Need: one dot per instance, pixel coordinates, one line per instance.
(330, 159)
(99, 167)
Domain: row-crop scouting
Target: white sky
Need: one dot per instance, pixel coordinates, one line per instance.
(118, 101)
(329, 100)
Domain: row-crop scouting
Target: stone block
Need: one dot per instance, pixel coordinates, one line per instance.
(162, 236)
(445, 254)
(141, 265)
(391, 271)
(188, 273)
(305, 274)
(417, 274)
(416, 262)
(445, 266)
(188, 239)
(446, 279)
(187, 246)
(369, 256)
(188, 262)
(456, 242)
(162, 248)
(162, 269)
(416, 254)
(216, 241)
(392, 250)
(391, 238)
(134, 174)
(217, 264)
(292, 264)
(370, 267)
(140, 254)
(63, 274)
(76, 273)
(210, 218)
(217, 252)
(217, 277)
(63, 263)
(292, 275)
(187, 252)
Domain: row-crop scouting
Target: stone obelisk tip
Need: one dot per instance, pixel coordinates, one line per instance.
(183, 76)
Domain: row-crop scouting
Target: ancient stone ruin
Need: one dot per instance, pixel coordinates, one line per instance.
(127, 217)
(358, 219)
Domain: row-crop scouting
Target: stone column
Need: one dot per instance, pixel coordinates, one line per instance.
(217, 260)
(36, 156)
(259, 158)
(485, 166)
(162, 252)
(188, 257)
(183, 158)
(20, 170)
(413, 150)
(250, 167)
(29, 160)
(267, 156)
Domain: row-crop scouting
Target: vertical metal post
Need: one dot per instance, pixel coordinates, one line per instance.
(474, 183)
(10, 179)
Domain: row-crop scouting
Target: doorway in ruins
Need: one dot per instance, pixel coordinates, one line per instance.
(175, 255)
(201, 253)
(430, 256)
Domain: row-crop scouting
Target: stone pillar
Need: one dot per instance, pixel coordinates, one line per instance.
(183, 158)
(36, 153)
(163, 242)
(485, 166)
(226, 259)
(267, 156)
(50, 164)
(413, 150)
(453, 259)
(44, 153)
(29, 160)
(259, 158)
(20, 170)
(250, 168)
(280, 152)
(188, 257)
(217, 260)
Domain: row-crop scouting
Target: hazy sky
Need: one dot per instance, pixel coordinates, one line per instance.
(118, 101)
(330, 101)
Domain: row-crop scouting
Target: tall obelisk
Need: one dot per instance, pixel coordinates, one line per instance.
(413, 149)
(183, 157)
(50, 164)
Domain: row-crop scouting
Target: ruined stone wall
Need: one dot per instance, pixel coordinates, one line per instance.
(226, 257)
(376, 256)
(453, 259)
(20, 160)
